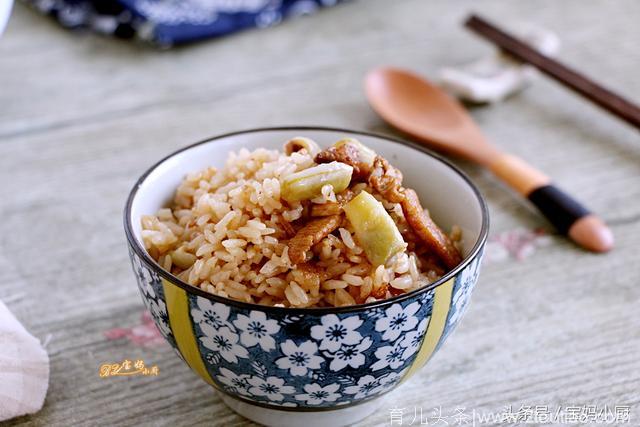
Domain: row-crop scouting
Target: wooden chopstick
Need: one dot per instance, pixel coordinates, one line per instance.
(579, 83)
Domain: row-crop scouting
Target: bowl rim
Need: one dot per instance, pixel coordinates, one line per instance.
(150, 262)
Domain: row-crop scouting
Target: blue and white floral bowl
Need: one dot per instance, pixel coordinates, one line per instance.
(284, 366)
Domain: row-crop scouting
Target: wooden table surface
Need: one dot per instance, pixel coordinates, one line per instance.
(82, 116)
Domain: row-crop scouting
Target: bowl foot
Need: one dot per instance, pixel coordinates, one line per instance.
(273, 417)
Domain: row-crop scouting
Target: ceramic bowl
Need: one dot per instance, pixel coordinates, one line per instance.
(312, 367)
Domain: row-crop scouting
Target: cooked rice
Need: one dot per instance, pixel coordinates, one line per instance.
(226, 233)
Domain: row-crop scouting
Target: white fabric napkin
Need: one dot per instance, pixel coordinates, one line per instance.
(24, 368)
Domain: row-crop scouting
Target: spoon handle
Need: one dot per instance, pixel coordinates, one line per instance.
(563, 211)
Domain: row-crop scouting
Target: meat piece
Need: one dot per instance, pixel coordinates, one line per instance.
(386, 180)
(349, 154)
(330, 208)
(326, 209)
(313, 232)
(286, 226)
(428, 231)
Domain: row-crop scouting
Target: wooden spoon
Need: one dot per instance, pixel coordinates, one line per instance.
(425, 112)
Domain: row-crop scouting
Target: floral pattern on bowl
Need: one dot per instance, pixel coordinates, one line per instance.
(326, 360)
(278, 359)
(150, 288)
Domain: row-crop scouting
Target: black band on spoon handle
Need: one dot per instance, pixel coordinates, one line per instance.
(565, 213)
(558, 207)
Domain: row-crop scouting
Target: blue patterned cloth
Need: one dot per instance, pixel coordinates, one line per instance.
(171, 22)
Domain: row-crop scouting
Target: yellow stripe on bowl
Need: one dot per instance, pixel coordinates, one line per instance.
(182, 328)
(437, 323)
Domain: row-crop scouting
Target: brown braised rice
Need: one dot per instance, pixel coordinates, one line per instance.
(227, 233)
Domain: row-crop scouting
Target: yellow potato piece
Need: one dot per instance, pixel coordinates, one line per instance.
(375, 230)
(308, 183)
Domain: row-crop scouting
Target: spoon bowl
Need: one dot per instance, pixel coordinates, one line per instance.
(422, 110)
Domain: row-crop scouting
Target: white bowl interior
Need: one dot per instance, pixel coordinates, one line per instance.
(444, 192)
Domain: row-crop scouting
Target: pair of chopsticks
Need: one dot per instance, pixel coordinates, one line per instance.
(605, 98)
